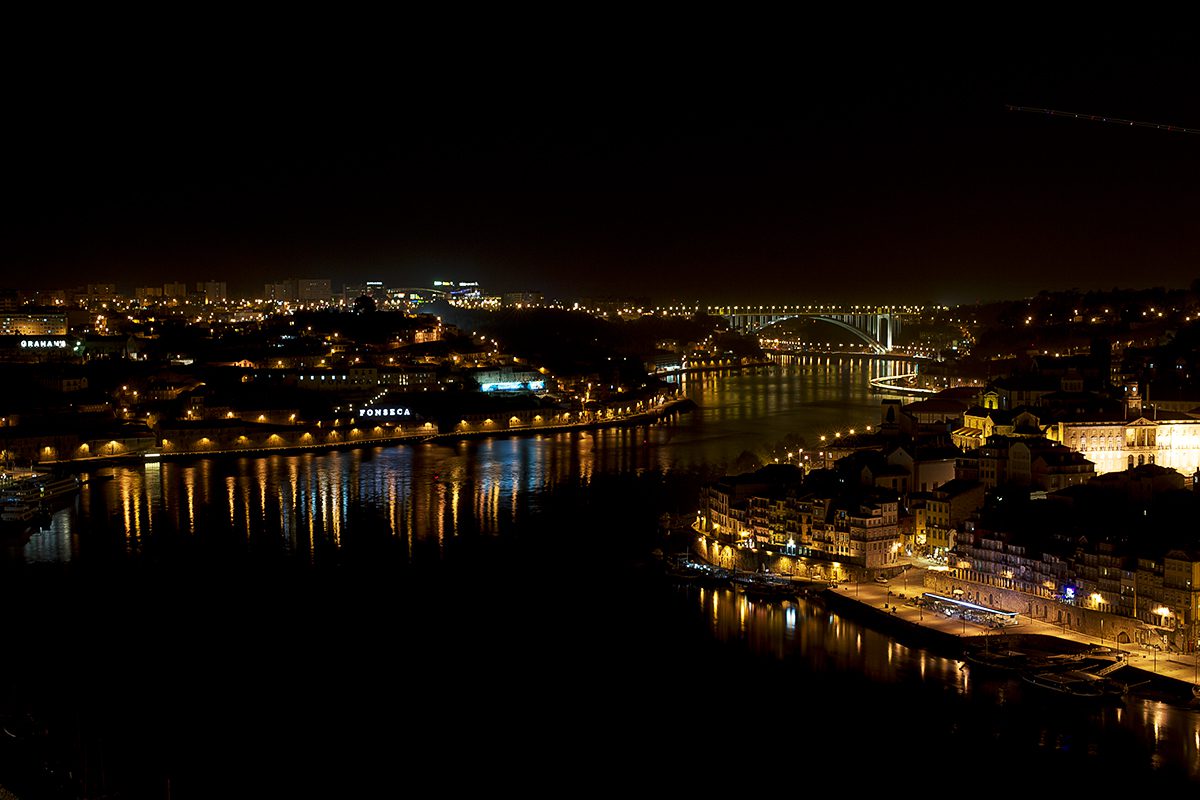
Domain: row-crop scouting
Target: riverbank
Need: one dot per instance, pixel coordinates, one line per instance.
(891, 608)
(849, 354)
(725, 367)
(677, 406)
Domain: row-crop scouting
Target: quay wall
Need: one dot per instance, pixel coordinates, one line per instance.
(1089, 622)
(249, 439)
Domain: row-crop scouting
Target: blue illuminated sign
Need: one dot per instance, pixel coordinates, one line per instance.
(514, 386)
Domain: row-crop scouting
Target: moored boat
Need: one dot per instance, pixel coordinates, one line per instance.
(766, 586)
(1003, 660)
(39, 490)
(685, 569)
(1077, 683)
(1063, 684)
(14, 512)
(52, 489)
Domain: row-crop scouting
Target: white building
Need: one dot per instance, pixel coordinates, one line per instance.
(1171, 440)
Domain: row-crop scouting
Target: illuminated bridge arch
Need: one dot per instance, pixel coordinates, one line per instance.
(846, 326)
(877, 328)
(876, 325)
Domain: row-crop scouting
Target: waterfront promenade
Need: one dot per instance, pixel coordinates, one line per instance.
(410, 437)
(911, 584)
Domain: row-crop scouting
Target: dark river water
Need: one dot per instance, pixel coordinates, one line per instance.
(486, 614)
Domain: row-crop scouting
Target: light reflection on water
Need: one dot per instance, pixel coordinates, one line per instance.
(427, 493)
(829, 644)
(310, 507)
(434, 492)
(804, 395)
(828, 640)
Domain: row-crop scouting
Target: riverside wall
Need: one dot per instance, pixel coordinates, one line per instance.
(245, 440)
(1086, 621)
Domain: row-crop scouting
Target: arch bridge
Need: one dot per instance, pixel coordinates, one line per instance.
(877, 326)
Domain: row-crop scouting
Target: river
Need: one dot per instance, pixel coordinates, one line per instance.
(486, 613)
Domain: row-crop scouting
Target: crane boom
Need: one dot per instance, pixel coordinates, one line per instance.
(1098, 118)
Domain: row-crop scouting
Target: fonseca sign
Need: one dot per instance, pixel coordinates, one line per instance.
(385, 412)
(44, 343)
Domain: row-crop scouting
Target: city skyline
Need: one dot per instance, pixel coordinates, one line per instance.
(664, 176)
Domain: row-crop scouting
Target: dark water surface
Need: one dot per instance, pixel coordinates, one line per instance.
(485, 616)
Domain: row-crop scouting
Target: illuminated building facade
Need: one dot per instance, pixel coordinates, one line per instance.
(941, 513)
(509, 380)
(1025, 461)
(13, 324)
(1171, 440)
(755, 511)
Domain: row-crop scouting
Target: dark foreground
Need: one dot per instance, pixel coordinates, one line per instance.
(348, 686)
(552, 657)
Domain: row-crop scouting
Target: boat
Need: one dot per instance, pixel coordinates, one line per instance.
(1109, 687)
(1061, 683)
(1077, 683)
(684, 568)
(39, 490)
(52, 489)
(1003, 660)
(14, 512)
(16, 519)
(766, 586)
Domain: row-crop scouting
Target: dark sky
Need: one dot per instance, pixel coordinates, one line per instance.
(748, 165)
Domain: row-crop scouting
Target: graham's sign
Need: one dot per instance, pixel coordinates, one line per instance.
(42, 344)
(385, 412)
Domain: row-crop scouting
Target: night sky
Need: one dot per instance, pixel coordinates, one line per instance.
(805, 167)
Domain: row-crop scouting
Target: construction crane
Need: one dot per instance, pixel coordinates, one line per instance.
(1097, 118)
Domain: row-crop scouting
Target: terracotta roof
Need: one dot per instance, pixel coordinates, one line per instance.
(960, 393)
(936, 405)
